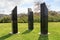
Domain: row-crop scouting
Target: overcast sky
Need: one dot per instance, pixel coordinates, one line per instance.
(6, 6)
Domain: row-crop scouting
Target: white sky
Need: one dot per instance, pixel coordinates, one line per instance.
(6, 6)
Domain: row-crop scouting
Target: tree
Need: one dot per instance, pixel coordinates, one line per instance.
(37, 5)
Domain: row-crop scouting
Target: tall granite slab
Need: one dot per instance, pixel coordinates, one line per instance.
(44, 19)
(14, 21)
(30, 19)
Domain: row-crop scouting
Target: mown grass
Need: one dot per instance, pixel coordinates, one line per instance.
(6, 28)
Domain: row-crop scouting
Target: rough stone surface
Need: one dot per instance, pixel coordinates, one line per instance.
(30, 19)
(44, 19)
(14, 21)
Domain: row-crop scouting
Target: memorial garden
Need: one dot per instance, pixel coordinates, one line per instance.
(30, 31)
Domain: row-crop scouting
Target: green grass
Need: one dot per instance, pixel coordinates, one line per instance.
(5, 28)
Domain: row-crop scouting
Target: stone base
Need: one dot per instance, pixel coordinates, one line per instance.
(13, 33)
(43, 34)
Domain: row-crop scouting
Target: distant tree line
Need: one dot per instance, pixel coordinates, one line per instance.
(23, 18)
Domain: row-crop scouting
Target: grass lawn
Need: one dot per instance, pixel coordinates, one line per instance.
(5, 28)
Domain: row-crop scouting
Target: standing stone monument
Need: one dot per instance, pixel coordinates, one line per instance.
(14, 21)
(30, 19)
(44, 19)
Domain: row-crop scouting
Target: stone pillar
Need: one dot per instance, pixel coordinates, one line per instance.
(14, 21)
(30, 19)
(44, 19)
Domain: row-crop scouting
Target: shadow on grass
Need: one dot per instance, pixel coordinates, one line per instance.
(43, 37)
(5, 37)
(27, 31)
